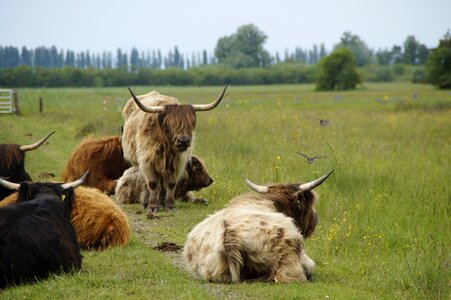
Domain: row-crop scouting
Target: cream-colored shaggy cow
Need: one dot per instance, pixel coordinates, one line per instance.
(256, 237)
(158, 137)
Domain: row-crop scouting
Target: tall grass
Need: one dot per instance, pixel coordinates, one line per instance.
(384, 214)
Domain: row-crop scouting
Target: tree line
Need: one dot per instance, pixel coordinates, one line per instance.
(239, 58)
(242, 49)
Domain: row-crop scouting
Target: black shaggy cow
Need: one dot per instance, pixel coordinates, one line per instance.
(36, 234)
(12, 163)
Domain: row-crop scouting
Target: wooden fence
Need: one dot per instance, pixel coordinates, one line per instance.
(6, 101)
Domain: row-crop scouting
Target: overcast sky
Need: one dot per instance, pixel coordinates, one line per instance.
(194, 25)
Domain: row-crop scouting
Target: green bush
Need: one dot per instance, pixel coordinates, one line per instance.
(438, 65)
(377, 73)
(337, 72)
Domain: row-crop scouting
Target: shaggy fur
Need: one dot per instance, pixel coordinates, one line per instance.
(159, 143)
(104, 159)
(12, 163)
(99, 222)
(12, 166)
(256, 237)
(36, 236)
(132, 188)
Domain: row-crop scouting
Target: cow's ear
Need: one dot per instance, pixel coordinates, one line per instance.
(24, 192)
(67, 197)
(196, 164)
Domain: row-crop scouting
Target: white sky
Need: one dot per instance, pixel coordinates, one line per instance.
(99, 25)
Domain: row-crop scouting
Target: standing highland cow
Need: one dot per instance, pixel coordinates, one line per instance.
(256, 237)
(158, 137)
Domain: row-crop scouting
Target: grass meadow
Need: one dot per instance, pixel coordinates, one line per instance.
(385, 213)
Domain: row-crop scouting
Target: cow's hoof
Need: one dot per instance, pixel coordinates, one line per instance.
(200, 201)
(171, 208)
(152, 213)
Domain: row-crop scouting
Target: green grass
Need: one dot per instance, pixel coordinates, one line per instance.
(385, 214)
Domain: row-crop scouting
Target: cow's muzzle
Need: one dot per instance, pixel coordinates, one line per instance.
(182, 143)
(209, 181)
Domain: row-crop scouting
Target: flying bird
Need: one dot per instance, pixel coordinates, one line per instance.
(310, 160)
(322, 122)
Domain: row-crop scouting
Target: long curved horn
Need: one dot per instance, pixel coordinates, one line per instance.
(258, 188)
(205, 107)
(37, 144)
(76, 183)
(9, 185)
(312, 184)
(149, 109)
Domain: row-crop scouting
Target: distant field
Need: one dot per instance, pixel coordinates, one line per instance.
(385, 213)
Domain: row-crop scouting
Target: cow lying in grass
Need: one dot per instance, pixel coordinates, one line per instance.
(103, 157)
(12, 163)
(99, 223)
(36, 235)
(132, 187)
(256, 237)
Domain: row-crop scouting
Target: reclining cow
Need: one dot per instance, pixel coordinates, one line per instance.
(256, 237)
(12, 163)
(36, 235)
(99, 223)
(103, 157)
(132, 188)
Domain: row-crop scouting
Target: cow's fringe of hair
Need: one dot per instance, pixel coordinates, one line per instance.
(300, 210)
(178, 117)
(10, 153)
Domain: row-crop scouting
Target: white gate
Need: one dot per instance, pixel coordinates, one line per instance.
(6, 101)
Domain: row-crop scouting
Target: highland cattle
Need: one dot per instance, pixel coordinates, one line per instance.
(158, 137)
(257, 237)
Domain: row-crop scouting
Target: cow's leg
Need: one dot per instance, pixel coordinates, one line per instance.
(170, 189)
(295, 265)
(153, 183)
(308, 264)
(154, 203)
(190, 197)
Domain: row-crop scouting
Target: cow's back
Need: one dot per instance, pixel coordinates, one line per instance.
(31, 246)
(98, 220)
(249, 231)
(102, 157)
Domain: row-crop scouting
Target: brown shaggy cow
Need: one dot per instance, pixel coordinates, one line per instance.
(132, 188)
(256, 237)
(158, 137)
(103, 157)
(12, 163)
(99, 223)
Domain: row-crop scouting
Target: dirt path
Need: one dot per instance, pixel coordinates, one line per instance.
(146, 232)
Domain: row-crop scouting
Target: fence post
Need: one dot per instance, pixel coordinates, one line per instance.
(16, 102)
(40, 105)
